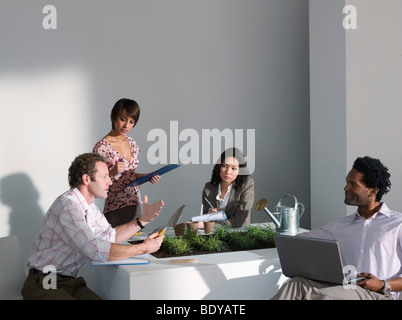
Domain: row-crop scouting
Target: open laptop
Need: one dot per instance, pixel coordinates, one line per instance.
(310, 258)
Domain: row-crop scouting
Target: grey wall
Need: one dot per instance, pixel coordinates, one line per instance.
(327, 111)
(356, 76)
(206, 64)
(374, 82)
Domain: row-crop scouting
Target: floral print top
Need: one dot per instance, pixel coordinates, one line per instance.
(119, 196)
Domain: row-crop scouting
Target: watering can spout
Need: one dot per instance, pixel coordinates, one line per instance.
(261, 204)
(277, 223)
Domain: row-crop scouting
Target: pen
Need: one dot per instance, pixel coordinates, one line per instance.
(208, 202)
(121, 160)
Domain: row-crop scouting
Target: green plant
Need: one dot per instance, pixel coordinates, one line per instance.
(177, 246)
(194, 238)
(263, 237)
(224, 239)
(205, 243)
(253, 237)
(241, 241)
(213, 244)
(223, 232)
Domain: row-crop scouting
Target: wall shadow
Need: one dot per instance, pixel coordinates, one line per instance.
(19, 193)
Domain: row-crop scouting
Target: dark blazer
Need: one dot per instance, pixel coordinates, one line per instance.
(239, 205)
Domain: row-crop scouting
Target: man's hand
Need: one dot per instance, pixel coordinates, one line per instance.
(150, 245)
(153, 242)
(150, 212)
(371, 282)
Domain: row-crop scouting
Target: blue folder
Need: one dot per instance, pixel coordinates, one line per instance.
(159, 172)
(128, 261)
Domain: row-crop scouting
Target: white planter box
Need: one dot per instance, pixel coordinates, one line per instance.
(243, 275)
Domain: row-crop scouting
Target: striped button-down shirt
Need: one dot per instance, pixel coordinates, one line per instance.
(72, 231)
(372, 245)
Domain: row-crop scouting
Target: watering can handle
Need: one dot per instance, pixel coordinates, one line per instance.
(301, 210)
(288, 195)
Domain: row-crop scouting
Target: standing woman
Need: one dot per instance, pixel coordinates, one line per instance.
(121, 152)
(231, 189)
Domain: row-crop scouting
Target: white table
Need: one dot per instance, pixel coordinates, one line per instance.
(244, 275)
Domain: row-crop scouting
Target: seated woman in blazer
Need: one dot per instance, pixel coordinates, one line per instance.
(231, 189)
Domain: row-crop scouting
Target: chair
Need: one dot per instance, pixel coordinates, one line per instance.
(12, 272)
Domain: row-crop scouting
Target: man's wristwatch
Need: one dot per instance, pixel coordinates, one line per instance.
(139, 223)
(387, 289)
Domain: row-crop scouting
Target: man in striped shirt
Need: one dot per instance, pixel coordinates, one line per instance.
(74, 230)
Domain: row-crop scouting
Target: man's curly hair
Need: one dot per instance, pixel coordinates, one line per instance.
(83, 164)
(375, 174)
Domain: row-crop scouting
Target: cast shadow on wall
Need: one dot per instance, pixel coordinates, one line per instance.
(18, 192)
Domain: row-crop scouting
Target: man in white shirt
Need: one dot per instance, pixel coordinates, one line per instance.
(370, 241)
(74, 230)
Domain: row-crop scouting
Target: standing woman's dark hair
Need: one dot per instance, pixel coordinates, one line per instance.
(238, 155)
(130, 106)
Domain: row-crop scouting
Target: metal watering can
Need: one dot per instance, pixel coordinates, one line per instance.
(288, 216)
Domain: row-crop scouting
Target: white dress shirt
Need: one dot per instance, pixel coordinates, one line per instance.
(372, 245)
(72, 231)
(223, 202)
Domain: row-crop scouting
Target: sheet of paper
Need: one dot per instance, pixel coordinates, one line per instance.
(213, 216)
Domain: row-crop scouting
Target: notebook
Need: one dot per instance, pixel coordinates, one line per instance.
(314, 259)
(140, 259)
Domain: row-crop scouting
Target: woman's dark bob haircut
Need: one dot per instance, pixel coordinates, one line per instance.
(130, 106)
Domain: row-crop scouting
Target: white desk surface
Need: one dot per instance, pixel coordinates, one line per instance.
(206, 261)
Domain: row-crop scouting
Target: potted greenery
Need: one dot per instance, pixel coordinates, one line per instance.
(223, 240)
